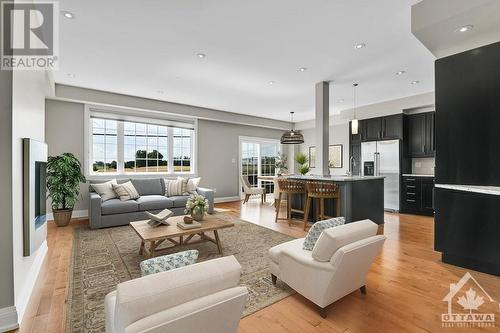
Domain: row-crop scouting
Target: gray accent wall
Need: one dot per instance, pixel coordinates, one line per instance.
(6, 246)
(217, 146)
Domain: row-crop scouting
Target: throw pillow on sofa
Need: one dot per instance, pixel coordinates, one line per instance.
(126, 191)
(317, 229)
(192, 184)
(174, 187)
(105, 190)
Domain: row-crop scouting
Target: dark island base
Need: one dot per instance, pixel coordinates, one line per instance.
(362, 199)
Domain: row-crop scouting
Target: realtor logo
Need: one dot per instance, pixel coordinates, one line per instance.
(29, 35)
(464, 302)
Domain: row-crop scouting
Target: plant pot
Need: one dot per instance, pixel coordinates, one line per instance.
(62, 216)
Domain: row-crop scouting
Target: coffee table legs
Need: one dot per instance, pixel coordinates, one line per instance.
(141, 249)
(217, 239)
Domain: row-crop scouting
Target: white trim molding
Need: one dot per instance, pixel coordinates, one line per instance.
(8, 319)
(31, 277)
(226, 199)
(77, 214)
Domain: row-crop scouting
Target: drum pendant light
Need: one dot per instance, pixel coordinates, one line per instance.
(292, 137)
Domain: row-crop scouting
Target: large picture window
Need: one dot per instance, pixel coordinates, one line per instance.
(126, 146)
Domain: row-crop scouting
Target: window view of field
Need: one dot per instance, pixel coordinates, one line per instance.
(145, 147)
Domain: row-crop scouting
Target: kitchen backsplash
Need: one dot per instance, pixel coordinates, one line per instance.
(423, 166)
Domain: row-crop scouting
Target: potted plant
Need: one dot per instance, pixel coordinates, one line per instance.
(281, 164)
(64, 175)
(197, 206)
(301, 159)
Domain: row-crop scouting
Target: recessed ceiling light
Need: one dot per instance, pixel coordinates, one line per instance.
(302, 69)
(415, 82)
(201, 55)
(71, 75)
(272, 82)
(68, 15)
(400, 72)
(465, 28)
(359, 45)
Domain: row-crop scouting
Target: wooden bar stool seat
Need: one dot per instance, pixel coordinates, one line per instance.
(289, 187)
(321, 191)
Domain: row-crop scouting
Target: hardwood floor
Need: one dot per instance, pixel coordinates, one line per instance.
(406, 284)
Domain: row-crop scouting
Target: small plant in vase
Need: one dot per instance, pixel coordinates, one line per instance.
(197, 206)
(301, 160)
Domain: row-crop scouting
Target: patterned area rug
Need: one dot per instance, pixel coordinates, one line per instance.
(105, 257)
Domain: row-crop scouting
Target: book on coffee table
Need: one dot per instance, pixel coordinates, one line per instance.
(186, 226)
(160, 218)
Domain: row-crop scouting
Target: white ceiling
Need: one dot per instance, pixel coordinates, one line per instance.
(142, 47)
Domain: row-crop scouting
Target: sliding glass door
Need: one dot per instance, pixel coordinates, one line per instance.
(258, 158)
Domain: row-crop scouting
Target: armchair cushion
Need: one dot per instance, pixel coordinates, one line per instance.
(168, 262)
(333, 239)
(145, 296)
(275, 252)
(317, 229)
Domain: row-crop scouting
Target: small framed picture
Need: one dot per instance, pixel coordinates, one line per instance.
(335, 156)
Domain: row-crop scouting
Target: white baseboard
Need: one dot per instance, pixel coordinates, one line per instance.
(76, 214)
(226, 199)
(8, 319)
(25, 293)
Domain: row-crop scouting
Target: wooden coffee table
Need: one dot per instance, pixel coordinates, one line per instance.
(152, 238)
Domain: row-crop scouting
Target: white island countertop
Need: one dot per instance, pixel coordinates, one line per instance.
(335, 178)
(493, 190)
(416, 175)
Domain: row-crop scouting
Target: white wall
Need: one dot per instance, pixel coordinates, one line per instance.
(28, 118)
(339, 134)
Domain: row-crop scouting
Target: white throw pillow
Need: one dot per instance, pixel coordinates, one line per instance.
(126, 191)
(105, 190)
(192, 184)
(332, 239)
(175, 187)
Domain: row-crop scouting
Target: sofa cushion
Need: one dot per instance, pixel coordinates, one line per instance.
(333, 239)
(154, 202)
(317, 229)
(174, 187)
(168, 262)
(105, 190)
(274, 252)
(126, 191)
(148, 186)
(179, 200)
(116, 206)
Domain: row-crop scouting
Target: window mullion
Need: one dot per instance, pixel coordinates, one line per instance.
(120, 147)
(170, 149)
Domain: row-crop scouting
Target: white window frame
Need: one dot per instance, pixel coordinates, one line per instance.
(133, 115)
(259, 141)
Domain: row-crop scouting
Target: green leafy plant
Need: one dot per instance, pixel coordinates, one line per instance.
(64, 175)
(302, 160)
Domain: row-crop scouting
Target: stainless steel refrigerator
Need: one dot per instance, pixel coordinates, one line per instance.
(382, 158)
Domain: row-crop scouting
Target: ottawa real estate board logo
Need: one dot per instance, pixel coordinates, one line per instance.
(29, 35)
(469, 305)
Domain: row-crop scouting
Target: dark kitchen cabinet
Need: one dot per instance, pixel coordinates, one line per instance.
(420, 134)
(392, 127)
(417, 195)
(372, 129)
(382, 128)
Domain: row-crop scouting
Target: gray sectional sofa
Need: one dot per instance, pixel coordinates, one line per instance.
(114, 212)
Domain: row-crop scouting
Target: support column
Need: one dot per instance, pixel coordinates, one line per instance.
(322, 122)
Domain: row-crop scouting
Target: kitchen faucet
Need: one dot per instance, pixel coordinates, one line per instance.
(352, 164)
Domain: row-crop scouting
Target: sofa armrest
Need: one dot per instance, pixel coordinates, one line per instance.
(95, 210)
(208, 194)
(145, 296)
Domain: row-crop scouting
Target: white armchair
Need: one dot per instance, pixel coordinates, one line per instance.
(203, 297)
(336, 266)
(249, 190)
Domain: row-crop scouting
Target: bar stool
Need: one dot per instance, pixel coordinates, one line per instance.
(288, 187)
(321, 191)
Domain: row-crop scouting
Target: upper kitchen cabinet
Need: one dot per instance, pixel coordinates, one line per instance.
(420, 134)
(383, 128)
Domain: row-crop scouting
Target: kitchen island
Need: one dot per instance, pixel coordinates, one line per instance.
(360, 197)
